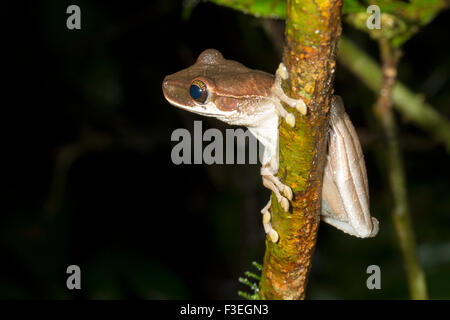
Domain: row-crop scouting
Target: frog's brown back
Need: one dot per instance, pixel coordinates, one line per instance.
(227, 73)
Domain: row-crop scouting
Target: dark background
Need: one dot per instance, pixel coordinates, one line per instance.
(87, 177)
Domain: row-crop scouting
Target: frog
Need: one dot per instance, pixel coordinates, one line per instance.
(237, 95)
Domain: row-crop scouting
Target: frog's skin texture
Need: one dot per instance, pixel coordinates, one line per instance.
(229, 91)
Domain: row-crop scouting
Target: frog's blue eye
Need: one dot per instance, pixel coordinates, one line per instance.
(198, 91)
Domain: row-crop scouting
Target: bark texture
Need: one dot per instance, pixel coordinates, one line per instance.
(312, 31)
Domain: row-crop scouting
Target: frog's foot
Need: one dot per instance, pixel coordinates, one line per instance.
(270, 231)
(298, 104)
(271, 182)
(279, 109)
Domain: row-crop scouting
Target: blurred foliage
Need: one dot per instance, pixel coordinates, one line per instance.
(141, 227)
(249, 281)
(399, 19)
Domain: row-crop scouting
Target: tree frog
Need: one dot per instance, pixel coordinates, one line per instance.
(231, 92)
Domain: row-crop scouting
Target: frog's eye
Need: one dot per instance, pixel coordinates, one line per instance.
(198, 91)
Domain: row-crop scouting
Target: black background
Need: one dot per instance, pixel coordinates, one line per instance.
(87, 177)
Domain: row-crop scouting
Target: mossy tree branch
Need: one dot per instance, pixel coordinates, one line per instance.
(312, 31)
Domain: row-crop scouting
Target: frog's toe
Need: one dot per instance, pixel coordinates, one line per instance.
(271, 232)
(274, 236)
(266, 217)
(282, 71)
(285, 204)
(290, 120)
(287, 191)
(301, 106)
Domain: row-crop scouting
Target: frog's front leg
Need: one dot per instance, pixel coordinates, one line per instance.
(279, 95)
(269, 169)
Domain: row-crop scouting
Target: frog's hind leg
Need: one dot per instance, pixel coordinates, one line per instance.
(270, 231)
(282, 191)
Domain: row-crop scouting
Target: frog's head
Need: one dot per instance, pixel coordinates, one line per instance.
(216, 87)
